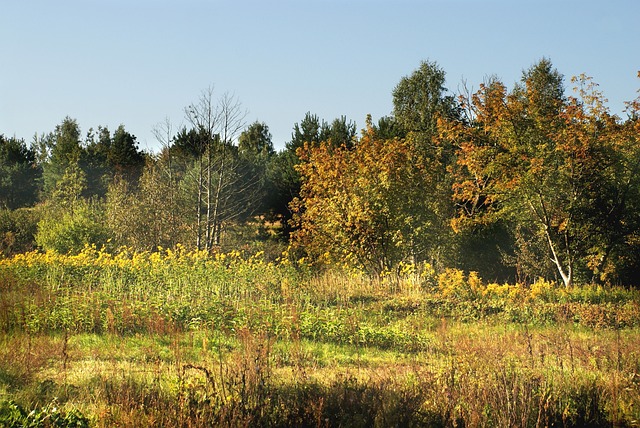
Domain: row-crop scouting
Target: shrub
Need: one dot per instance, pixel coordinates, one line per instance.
(17, 230)
(70, 231)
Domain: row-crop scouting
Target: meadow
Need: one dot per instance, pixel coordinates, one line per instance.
(184, 339)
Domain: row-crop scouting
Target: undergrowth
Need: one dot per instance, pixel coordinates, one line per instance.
(177, 338)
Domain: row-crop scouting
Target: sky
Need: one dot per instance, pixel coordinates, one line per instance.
(140, 62)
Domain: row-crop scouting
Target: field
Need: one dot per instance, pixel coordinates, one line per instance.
(177, 338)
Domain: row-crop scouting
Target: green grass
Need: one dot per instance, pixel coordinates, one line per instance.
(148, 340)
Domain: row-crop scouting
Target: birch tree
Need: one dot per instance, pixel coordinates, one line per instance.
(539, 161)
(220, 189)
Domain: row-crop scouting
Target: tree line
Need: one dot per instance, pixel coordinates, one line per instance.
(535, 181)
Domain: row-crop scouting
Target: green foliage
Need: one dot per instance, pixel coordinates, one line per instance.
(255, 142)
(14, 415)
(388, 128)
(69, 231)
(342, 133)
(17, 230)
(255, 153)
(533, 181)
(177, 337)
(69, 187)
(310, 130)
(65, 152)
(19, 174)
(548, 167)
(151, 215)
(107, 157)
(124, 157)
(420, 98)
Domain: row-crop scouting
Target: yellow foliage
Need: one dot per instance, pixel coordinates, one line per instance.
(541, 289)
(502, 291)
(452, 283)
(128, 259)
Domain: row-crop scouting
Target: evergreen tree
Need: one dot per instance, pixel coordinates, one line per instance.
(65, 152)
(18, 174)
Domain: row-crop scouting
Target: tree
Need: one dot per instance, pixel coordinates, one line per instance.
(255, 141)
(168, 175)
(124, 157)
(286, 180)
(612, 216)
(282, 170)
(342, 133)
(420, 98)
(223, 193)
(65, 151)
(111, 156)
(70, 230)
(94, 162)
(18, 228)
(255, 150)
(485, 237)
(310, 130)
(388, 128)
(541, 163)
(18, 174)
(365, 206)
(150, 214)
(69, 189)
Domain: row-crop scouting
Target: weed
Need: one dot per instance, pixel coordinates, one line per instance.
(179, 338)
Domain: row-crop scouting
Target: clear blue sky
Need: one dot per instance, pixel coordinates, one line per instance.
(135, 62)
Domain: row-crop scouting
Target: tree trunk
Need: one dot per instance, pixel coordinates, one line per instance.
(199, 208)
(567, 276)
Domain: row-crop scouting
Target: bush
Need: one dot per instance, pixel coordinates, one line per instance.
(17, 230)
(69, 231)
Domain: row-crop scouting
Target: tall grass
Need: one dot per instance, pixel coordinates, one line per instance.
(177, 338)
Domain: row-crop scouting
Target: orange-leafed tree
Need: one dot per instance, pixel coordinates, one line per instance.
(545, 164)
(367, 206)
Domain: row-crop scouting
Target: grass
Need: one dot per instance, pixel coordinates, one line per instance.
(182, 339)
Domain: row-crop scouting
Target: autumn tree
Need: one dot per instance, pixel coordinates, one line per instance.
(613, 214)
(364, 206)
(312, 131)
(541, 162)
(484, 235)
